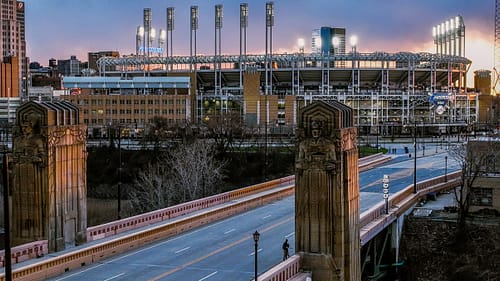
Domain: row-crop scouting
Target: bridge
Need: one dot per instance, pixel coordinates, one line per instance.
(236, 216)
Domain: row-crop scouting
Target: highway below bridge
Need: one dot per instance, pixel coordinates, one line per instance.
(224, 250)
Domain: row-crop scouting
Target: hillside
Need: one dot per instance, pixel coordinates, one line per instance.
(433, 249)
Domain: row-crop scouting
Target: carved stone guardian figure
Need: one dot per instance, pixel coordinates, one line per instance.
(326, 192)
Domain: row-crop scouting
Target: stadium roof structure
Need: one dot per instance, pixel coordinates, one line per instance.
(370, 66)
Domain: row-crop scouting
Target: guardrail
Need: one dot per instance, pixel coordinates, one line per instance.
(126, 224)
(285, 270)
(26, 251)
(373, 160)
(374, 219)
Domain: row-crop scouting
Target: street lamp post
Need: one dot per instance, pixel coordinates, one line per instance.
(119, 171)
(256, 236)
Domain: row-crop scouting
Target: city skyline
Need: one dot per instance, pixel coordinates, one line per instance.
(61, 28)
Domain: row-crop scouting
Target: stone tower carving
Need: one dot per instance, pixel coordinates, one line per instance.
(327, 192)
(49, 175)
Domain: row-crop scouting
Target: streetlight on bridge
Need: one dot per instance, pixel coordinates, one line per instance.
(256, 236)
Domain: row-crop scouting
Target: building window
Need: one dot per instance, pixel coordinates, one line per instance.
(481, 196)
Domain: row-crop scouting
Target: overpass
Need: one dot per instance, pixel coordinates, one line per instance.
(184, 217)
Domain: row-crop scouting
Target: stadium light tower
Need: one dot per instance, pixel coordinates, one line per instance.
(449, 37)
(161, 41)
(269, 46)
(243, 38)
(194, 29)
(170, 31)
(496, 68)
(354, 42)
(301, 43)
(147, 30)
(139, 40)
(217, 60)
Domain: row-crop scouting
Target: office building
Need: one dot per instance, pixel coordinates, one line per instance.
(70, 67)
(12, 36)
(322, 41)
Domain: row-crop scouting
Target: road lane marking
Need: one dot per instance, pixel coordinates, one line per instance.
(290, 235)
(266, 217)
(229, 231)
(208, 276)
(253, 253)
(247, 237)
(182, 250)
(114, 277)
(80, 272)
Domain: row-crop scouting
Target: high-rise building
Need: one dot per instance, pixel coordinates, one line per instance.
(482, 81)
(69, 67)
(12, 36)
(322, 40)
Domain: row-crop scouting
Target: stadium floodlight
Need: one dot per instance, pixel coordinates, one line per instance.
(353, 40)
(170, 18)
(140, 31)
(218, 16)
(194, 17)
(335, 41)
(152, 34)
(301, 44)
(244, 15)
(163, 35)
(269, 14)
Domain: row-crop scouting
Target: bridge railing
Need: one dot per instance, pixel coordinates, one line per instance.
(26, 251)
(130, 223)
(375, 218)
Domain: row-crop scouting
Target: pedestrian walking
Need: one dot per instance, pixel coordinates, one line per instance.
(285, 249)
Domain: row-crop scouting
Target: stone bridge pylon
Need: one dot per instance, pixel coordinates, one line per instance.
(49, 175)
(327, 192)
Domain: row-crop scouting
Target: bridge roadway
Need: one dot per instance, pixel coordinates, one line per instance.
(224, 250)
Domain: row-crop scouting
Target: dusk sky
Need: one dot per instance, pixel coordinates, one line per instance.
(61, 28)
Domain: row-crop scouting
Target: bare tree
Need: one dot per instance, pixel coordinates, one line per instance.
(225, 129)
(153, 189)
(474, 158)
(189, 172)
(196, 171)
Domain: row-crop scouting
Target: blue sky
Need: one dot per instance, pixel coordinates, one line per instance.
(60, 28)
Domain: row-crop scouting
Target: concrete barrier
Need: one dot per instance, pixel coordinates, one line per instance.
(25, 252)
(285, 270)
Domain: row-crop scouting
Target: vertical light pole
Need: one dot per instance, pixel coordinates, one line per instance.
(170, 31)
(119, 171)
(445, 168)
(415, 157)
(217, 57)
(256, 236)
(192, 52)
(6, 215)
